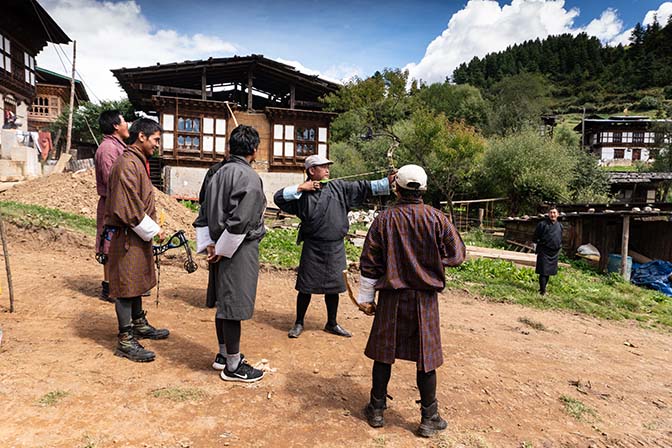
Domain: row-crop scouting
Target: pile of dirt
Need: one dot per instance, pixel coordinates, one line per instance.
(76, 193)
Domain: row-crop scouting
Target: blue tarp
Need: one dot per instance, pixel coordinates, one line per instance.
(654, 274)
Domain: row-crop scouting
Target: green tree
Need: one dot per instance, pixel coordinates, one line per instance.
(449, 151)
(517, 103)
(85, 120)
(456, 102)
(528, 169)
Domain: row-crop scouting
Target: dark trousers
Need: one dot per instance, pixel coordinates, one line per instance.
(127, 308)
(426, 382)
(543, 281)
(228, 332)
(303, 300)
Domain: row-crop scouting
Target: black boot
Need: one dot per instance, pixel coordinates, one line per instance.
(431, 421)
(374, 411)
(129, 347)
(142, 329)
(105, 292)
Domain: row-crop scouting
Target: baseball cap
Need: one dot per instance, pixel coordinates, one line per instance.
(316, 160)
(412, 177)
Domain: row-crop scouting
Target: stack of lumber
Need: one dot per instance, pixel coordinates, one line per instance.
(508, 255)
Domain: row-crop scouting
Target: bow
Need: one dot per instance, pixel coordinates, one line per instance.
(177, 240)
(367, 308)
(370, 135)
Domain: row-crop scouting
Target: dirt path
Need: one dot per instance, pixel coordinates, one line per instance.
(500, 386)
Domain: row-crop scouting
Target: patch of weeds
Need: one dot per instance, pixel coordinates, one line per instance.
(461, 441)
(651, 426)
(178, 394)
(379, 441)
(52, 398)
(279, 249)
(526, 445)
(89, 443)
(191, 205)
(576, 289)
(532, 323)
(477, 237)
(577, 409)
(29, 216)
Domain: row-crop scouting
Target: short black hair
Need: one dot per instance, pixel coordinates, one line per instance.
(107, 120)
(415, 194)
(244, 140)
(145, 125)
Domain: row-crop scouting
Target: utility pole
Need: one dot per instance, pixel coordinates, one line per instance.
(583, 129)
(72, 99)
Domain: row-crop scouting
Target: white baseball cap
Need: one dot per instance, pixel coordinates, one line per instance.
(317, 160)
(412, 177)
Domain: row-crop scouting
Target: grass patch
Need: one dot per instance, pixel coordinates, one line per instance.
(575, 288)
(191, 205)
(279, 248)
(28, 216)
(480, 238)
(577, 409)
(178, 394)
(52, 398)
(532, 323)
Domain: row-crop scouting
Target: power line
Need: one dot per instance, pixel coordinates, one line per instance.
(58, 46)
(32, 2)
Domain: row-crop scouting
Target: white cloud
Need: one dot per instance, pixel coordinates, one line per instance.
(663, 13)
(114, 35)
(483, 27)
(336, 73)
(607, 27)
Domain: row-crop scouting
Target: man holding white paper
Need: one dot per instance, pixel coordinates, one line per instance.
(229, 231)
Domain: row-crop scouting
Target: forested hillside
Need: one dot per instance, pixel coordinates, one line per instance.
(583, 72)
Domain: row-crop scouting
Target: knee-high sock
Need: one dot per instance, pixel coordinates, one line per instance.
(123, 307)
(381, 377)
(219, 329)
(332, 308)
(136, 304)
(426, 382)
(232, 337)
(302, 302)
(543, 281)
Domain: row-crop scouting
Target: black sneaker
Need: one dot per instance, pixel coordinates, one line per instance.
(220, 361)
(244, 373)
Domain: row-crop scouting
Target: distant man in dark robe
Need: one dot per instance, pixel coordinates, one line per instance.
(405, 253)
(548, 240)
(115, 130)
(323, 206)
(130, 211)
(229, 232)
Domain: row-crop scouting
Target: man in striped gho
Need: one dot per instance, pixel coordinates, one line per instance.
(404, 256)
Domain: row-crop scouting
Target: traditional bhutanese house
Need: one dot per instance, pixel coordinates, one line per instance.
(51, 98)
(616, 228)
(194, 100)
(621, 140)
(638, 188)
(25, 28)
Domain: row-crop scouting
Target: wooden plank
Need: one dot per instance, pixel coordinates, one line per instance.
(508, 255)
(62, 163)
(624, 247)
(637, 257)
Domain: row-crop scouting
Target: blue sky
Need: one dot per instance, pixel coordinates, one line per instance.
(336, 39)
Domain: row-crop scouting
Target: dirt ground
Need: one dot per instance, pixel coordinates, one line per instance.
(500, 386)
